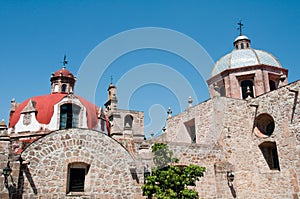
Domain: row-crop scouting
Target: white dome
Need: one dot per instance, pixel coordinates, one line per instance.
(241, 37)
(244, 57)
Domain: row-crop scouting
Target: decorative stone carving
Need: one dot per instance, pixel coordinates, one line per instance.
(27, 119)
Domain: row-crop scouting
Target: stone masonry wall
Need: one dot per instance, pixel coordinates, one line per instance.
(231, 144)
(109, 166)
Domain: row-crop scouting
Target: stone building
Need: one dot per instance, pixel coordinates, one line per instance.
(62, 146)
(249, 129)
(247, 135)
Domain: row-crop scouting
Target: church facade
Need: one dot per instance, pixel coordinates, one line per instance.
(247, 135)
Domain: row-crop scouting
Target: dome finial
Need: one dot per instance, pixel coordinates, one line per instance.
(65, 61)
(240, 28)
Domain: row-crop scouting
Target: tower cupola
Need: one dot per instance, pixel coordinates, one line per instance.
(241, 42)
(62, 81)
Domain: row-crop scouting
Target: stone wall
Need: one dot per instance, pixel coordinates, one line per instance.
(227, 140)
(46, 175)
(4, 151)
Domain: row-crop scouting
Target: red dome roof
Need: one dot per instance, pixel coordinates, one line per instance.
(63, 72)
(45, 109)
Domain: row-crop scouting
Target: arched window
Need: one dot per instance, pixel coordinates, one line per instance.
(64, 88)
(247, 88)
(242, 45)
(56, 88)
(272, 85)
(128, 121)
(69, 116)
(76, 176)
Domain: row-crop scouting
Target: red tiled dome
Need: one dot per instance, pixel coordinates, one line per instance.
(44, 106)
(63, 72)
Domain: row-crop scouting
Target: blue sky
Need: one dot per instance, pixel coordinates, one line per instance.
(35, 35)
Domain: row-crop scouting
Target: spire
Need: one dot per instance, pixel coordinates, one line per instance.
(111, 85)
(169, 112)
(190, 101)
(3, 127)
(13, 105)
(3, 124)
(112, 101)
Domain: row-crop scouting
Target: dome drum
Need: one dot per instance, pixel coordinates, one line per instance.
(246, 72)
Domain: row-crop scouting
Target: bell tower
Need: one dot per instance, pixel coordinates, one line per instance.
(112, 101)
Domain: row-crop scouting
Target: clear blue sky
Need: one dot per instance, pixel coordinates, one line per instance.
(35, 35)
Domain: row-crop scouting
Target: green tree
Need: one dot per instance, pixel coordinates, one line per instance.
(170, 182)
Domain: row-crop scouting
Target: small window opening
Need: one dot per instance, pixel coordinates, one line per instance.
(222, 91)
(247, 45)
(134, 175)
(236, 47)
(56, 88)
(242, 45)
(64, 88)
(269, 151)
(128, 121)
(69, 116)
(272, 85)
(76, 177)
(247, 88)
(190, 127)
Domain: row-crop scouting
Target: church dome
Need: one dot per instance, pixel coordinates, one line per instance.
(242, 56)
(44, 108)
(63, 73)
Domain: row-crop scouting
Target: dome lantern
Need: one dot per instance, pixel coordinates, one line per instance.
(241, 42)
(62, 81)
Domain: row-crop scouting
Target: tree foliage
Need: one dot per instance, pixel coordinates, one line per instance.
(170, 182)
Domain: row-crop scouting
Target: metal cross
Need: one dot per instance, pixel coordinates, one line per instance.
(240, 28)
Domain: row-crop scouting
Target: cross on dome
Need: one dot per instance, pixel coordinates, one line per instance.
(240, 28)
